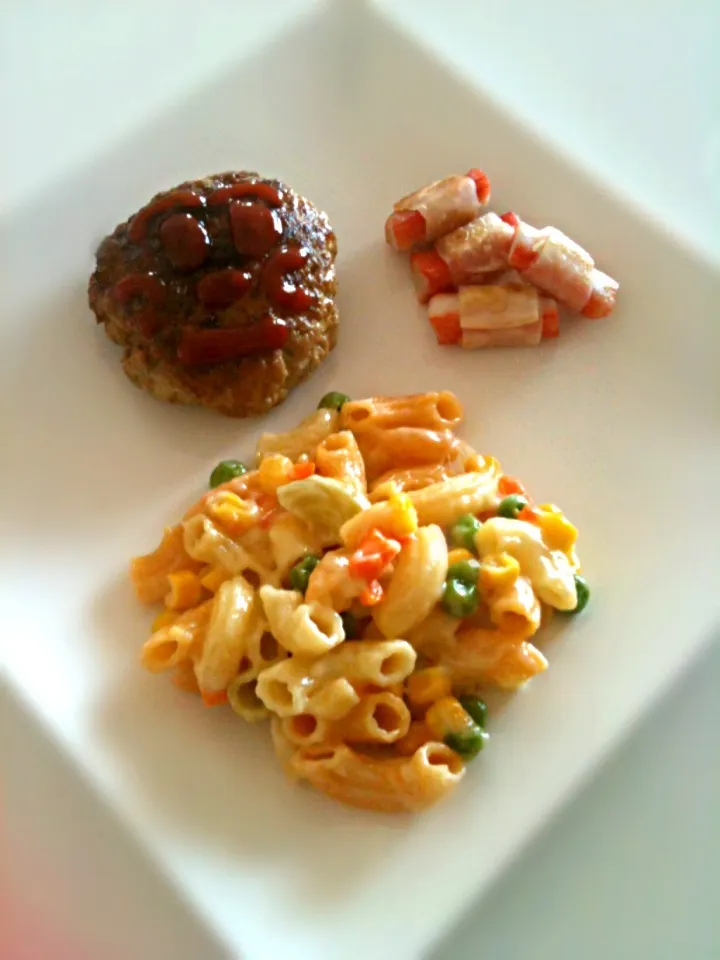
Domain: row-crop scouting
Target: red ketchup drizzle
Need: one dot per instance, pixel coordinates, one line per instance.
(178, 198)
(199, 346)
(223, 287)
(255, 228)
(281, 291)
(245, 189)
(149, 291)
(185, 240)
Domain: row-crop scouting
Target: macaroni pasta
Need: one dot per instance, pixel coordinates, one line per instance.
(358, 589)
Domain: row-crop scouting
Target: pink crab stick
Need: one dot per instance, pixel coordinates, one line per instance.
(563, 269)
(492, 316)
(440, 207)
(472, 254)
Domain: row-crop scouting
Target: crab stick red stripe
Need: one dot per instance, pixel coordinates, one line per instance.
(550, 316)
(602, 297)
(444, 316)
(437, 209)
(430, 274)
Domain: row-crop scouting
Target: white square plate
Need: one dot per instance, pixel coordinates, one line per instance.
(618, 421)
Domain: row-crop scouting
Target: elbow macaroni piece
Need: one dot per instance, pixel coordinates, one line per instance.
(478, 655)
(428, 411)
(516, 610)
(233, 610)
(548, 570)
(380, 662)
(378, 718)
(338, 457)
(403, 447)
(303, 439)
(403, 784)
(149, 573)
(360, 670)
(416, 584)
(443, 503)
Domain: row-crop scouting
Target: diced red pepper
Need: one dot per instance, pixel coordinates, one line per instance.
(373, 556)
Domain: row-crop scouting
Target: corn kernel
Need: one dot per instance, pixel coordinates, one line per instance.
(418, 734)
(274, 471)
(498, 571)
(232, 513)
(458, 554)
(558, 533)
(426, 686)
(447, 716)
(404, 515)
(163, 619)
(185, 590)
(214, 579)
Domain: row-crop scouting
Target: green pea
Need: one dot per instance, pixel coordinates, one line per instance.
(511, 506)
(300, 573)
(460, 598)
(583, 594)
(226, 470)
(476, 708)
(469, 743)
(462, 532)
(466, 570)
(350, 625)
(334, 400)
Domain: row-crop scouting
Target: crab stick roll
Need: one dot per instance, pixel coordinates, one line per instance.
(491, 309)
(436, 209)
(561, 268)
(472, 254)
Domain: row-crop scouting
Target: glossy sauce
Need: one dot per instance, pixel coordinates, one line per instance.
(281, 290)
(222, 287)
(190, 227)
(185, 240)
(178, 198)
(255, 228)
(197, 347)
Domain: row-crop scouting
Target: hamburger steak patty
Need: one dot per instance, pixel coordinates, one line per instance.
(221, 291)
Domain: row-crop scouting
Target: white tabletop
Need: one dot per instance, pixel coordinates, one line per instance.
(630, 867)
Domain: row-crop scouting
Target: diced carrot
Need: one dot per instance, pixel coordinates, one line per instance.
(528, 514)
(372, 594)
(431, 274)
(512, 218)
(373, 556)
(405, 228)
(301, 471)
(482, 184)
(213, 698)
(511, 485)
(447, 328)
